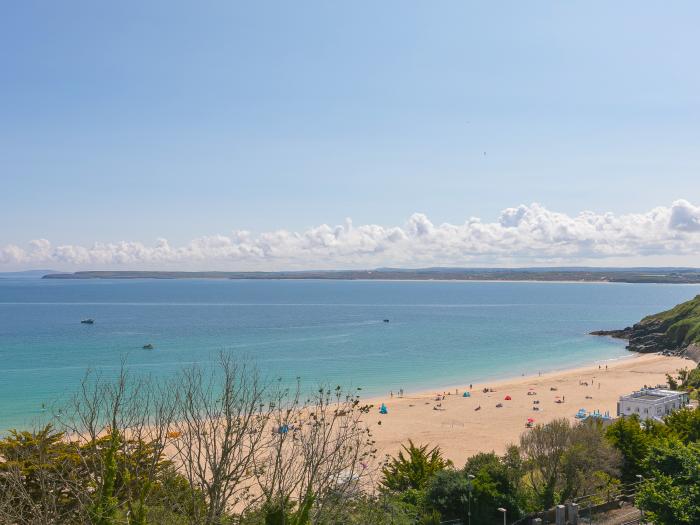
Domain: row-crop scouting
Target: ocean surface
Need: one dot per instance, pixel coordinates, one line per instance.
(440, 333)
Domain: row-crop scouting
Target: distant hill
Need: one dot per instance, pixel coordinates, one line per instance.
(625, 275)
(675, 330)
(27, 274)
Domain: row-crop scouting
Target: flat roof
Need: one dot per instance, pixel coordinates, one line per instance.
(653, 394)
(650, 397)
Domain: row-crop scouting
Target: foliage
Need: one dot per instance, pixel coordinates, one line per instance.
(688, 380)
(413, 470)
(283, 460)
(561, 460)
(363, 509)
(684, 424)
(47, 478)
(671, 493)
(681, 323)
(496, 483)
(104, 509)
(627, 435)
(381, 510)
(41, 475)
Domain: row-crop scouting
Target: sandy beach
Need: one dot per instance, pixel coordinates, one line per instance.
(461, 431)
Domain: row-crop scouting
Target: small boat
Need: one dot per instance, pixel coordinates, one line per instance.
(386, 320)
(87, 321)
(149, 346)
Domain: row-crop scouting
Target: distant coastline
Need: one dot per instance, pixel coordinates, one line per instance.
(601, 275)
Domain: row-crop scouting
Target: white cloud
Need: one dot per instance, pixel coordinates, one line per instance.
(526, 234)
(685, 216)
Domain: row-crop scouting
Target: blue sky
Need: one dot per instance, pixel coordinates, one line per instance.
(132, 121)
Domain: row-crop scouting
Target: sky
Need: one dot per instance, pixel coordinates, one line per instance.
(274, 135)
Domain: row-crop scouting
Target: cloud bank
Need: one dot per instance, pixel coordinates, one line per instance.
(525, 235)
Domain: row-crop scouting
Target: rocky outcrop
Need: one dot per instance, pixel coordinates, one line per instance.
(693, 352)
(675, 331)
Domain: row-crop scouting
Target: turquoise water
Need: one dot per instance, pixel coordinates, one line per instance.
(440, 333)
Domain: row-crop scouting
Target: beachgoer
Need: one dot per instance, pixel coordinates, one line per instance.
(391, 393)
(470, 386)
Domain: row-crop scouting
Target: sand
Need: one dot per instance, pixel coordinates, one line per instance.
(460, 431)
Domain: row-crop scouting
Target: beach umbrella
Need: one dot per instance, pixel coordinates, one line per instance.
(508, 398)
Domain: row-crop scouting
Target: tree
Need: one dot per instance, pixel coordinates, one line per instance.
(684, 424)
(448, 493)
(590, 462)
(561, 460)
(413, 470)
(218, 428)
(316, 456)
(627, 436)
(670, 495)
(496, 484)
(122, 426)
(685, 380)
(40, 476)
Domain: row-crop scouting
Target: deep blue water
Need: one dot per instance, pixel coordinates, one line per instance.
(440, 333)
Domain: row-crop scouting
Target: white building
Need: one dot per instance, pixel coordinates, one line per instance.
(651, 403)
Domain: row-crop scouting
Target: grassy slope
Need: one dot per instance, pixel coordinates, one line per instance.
(682, 322)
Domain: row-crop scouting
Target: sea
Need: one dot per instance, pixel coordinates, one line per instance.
(321, 331)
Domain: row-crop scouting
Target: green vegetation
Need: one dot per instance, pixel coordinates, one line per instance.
(687, 380)
(553, 463)
(232, 450)
(413, 470)
(671, 495)
(668, 457)
(681, 323)
(49, 479)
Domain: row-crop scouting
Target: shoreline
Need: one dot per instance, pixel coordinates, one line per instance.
(453, 424)
(502, 378)
(362, 279)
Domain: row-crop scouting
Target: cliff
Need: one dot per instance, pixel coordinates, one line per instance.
(676, 330)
